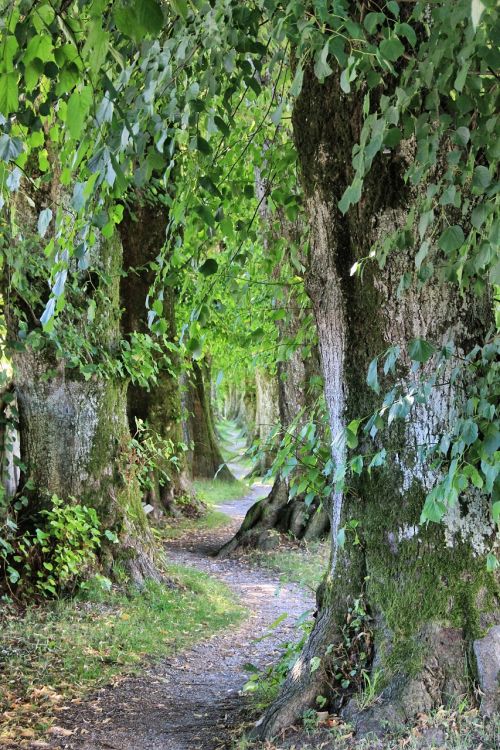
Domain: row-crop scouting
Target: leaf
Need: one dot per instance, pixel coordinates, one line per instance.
(321, 68)
(44, 220)
(495, 511)
(298, 79)
(469, 432)
(315, 663)
(209, 267)
(48, 313)
(10, 148)
(420, 350)
(205, 214)
(181, 8)
(372, 376)
(452, 238)
(491, 563)
(341, 538)
(9, 93)
(77, 111)
(372, 20)
(139, 17)
(391, 49)
(476, 12)
(481, 178)
(351, 195)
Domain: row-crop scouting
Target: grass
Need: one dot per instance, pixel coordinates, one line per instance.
(213, 519)
(62, 649)
(213, 491)
(303, 565)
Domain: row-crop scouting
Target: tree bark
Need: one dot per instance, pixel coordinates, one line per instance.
(74, 437)
(143, 232)
(430, 599)
(205, 458)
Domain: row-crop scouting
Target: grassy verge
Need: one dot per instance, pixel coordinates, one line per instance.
(303, 565)
(61, 650)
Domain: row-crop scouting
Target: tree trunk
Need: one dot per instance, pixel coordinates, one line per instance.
(266, 417)
(277, 511)
(74, 437)
(205, 458)
(143, 232)
(431, 601)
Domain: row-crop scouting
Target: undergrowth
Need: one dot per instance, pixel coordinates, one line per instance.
(461, 729)
(64, 648)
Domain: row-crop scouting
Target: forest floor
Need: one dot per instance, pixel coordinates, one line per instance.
(193, 699)
(189, 697)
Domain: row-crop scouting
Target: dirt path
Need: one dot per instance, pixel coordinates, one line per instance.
(192, 701)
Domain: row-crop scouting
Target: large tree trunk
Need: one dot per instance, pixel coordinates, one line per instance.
(431, 600)
(159, 405)
(74, 437)
(205, 458)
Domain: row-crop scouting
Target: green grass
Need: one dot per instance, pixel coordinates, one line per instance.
(63, 649)
(213, 519)
(213, 491)
(303, 565)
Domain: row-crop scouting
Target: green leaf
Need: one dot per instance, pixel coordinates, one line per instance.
(495, 511)
(321, 68)
(139, 17)
(298, 78)
(181, 8)
(205, 214)
(315, 663)
(391, 49)
(452, 238)
(10, 148)
(209, 267)
(372, 20)
(420, 350)
(481, 178)
(9, 93)
(341, 538)
(372, 376)
(491, 563)
(469, 432)
(44, 220)
(351, 195)
(77, 111)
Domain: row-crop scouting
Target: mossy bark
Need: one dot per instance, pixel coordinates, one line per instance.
(143, 232)
(205, 458)
(431, 600)
(74, 436)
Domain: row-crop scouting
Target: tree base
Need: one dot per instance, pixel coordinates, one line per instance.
(276, 513)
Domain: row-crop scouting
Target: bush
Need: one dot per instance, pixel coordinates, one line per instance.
(57, 555)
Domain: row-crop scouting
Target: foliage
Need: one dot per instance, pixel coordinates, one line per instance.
(264, 686)
(64, 649)
(146, 94)
(56, 557)
(152, 454)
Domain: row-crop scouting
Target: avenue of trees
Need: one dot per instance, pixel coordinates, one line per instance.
(285, 214)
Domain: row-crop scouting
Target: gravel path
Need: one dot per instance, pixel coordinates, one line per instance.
(192, 701)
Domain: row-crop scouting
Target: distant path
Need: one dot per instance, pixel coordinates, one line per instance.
(192, 701)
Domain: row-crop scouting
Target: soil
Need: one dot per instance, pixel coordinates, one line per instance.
(193, 700)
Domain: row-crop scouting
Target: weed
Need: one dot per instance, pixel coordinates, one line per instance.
(369, 695)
